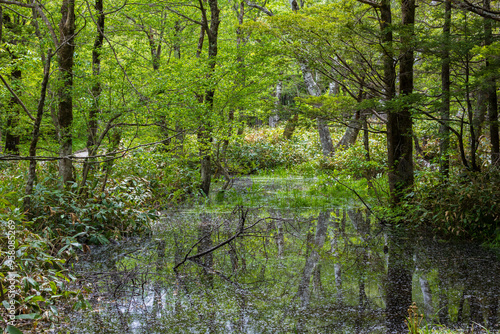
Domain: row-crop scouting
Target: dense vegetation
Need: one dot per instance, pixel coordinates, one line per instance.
(114, 112)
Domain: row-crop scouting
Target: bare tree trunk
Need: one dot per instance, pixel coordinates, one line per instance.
(352, 131)
(290, 127)
(241, 77)
(325, 137)
(273, 119)
(36, 133)
(324, 131)
(205, 133)
(444, 130)
(399, 122)
(492, 92)
(470, 114)
(65, 116)
(96, 89)
(12, 138)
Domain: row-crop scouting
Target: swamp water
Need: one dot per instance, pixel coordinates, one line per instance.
(287, 270)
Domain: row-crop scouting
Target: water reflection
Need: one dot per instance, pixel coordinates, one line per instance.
(315, 271)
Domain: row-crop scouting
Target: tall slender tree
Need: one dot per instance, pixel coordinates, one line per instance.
(65, 116)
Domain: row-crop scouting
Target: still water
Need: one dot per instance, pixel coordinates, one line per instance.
(267, 270)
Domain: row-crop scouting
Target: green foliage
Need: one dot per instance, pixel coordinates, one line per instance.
(353, 160)
(166, 177)
(96, 216)
(34, 270)
(265, 149)
(466, 206)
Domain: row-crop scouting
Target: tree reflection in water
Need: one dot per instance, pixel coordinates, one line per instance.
(314, 271)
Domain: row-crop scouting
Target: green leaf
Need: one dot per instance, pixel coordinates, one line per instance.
(53, 287)
(35, 299)
(30, 316)
(13, 330)
(6, 304)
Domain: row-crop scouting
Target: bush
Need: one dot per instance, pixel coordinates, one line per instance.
(168, 178)
(265, 149)
(465, 206)
(353, 160)
(97, 216)
(33, 279)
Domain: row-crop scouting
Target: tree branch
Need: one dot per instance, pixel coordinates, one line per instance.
(48, 24)
(261, 8)
(475, 9)
(17, 3)
(225, 242)
(16, 97)
(371, 3)
(184, 16)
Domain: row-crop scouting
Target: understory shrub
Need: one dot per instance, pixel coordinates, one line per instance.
(34, 282)
(353, 160)
(96, 216)
(265, 148)
(170, 178)
(464, 206)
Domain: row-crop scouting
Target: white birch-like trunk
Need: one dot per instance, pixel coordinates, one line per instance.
(273, 119)
(324, 132)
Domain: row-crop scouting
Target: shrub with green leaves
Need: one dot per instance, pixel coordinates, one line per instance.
(34, 282)
(95, 217)
(169, 178)
(464, 206)
(264, 149)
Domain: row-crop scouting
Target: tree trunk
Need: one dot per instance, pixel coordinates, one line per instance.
(470, 114)
(352, 131)
(324, 137)
(65, 116)
(290, 126)
(492, 93)
(205, 133)
(444, 130)
(12, 138)
(35, 134)
(324, 131)
(96, 89)
(273, 119)
(393, 136)
(399, 122)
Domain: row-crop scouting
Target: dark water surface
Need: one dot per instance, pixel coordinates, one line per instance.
(298, 271)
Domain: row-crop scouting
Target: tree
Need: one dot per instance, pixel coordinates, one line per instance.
(66, 50)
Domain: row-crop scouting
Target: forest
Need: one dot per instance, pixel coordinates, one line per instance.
(249, 166)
